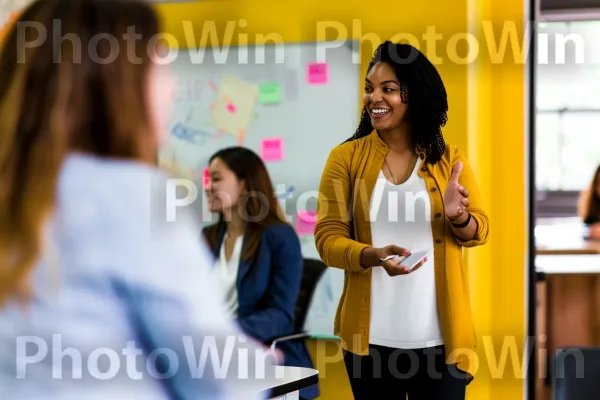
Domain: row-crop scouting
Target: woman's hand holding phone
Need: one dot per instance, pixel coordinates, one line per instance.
(389, 258)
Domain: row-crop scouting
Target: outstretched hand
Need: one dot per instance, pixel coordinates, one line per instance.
(456, 198)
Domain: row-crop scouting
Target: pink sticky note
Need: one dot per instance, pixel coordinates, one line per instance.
(271, 149)
(305, 222)
(318, 73)
(206, 177)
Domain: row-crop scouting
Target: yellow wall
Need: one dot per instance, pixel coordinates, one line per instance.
(486, 118)
(497, 148)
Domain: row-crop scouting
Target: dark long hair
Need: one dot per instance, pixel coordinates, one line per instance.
(589, 206)
(261, 205)
(58, 97)
(427, 98)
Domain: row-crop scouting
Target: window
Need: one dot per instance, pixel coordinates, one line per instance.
(567, 115)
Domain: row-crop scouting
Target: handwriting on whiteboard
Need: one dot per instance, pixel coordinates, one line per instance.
(186, 132)
(189, 90)
(189, 134)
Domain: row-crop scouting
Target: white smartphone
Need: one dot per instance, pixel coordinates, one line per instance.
(411, 261)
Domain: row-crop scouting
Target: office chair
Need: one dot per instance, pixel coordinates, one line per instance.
(577, 374)
(312, 272)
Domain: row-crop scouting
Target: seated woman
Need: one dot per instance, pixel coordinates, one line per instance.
(259, 261)
(589, 207)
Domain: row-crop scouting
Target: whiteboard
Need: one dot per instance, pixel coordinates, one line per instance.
(231, 99)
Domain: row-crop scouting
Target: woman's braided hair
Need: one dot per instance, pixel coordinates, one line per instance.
(428, 106)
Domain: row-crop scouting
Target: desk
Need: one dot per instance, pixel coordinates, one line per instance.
(564, 239)
(575, 247)
(568, 307)
(567, 264)
(286, 382)
(567, 292)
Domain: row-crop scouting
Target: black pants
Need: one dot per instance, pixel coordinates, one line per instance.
(388, 373)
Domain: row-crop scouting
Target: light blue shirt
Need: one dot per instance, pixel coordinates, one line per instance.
(119, 290)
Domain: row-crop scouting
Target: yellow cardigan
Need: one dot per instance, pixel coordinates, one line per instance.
(343, 230)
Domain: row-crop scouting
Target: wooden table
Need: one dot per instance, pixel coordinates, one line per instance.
(567, 292)
(568, 306)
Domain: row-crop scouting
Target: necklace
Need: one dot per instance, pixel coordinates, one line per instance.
(411, 166)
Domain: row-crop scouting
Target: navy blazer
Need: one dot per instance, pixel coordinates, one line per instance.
(268, 289)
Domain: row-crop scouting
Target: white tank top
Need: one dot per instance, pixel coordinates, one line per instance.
(403, 308)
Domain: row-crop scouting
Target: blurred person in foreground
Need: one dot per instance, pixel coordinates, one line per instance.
(100, 296)
(589, 207)
(259, 261)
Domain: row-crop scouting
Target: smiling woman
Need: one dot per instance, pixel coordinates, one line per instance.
(384, 95)
(398, 153)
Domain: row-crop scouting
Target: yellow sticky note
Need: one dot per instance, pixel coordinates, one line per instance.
(233, 110)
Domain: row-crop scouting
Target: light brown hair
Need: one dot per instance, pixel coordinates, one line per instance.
(58, 97)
